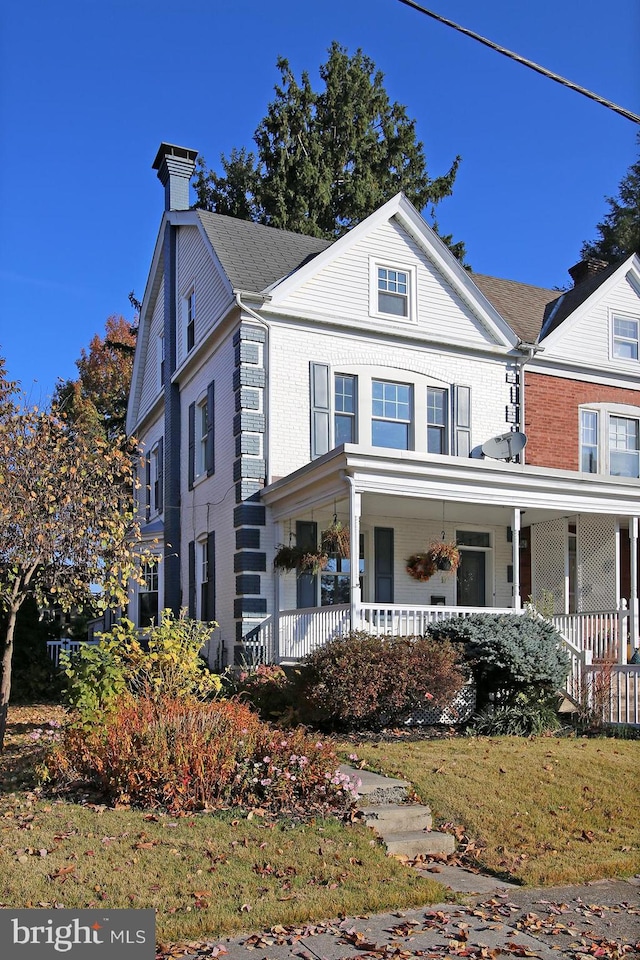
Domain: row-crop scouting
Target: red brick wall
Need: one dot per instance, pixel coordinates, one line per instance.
(551, 416)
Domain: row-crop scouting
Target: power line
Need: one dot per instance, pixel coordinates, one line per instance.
(527, 63)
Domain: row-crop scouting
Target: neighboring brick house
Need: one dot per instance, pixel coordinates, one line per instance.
(282, 381)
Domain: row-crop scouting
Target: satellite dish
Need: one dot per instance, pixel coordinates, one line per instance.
(505, 447)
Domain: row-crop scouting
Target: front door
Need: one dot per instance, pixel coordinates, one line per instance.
(472, 579)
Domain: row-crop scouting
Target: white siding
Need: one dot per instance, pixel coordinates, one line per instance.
(342, 291)
(150, 379)
(196, 272)
(588, 339)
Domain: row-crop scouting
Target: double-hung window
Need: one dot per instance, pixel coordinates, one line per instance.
(436, 420)
(589, 441)
(625, 338)
(391, 410)
(148, 595)
(623, 447)
(345, 405)
(393, 291)
(202, 432)
(201, 436)
(191, 320)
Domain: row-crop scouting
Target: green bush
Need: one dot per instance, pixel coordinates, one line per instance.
(183, 754)
(268, 689)
(521, 718)
(34, 676)
(509, 655)
(365, 681)
(166, 661)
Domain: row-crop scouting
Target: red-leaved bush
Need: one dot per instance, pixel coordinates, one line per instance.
(364, 681)
(185, 755)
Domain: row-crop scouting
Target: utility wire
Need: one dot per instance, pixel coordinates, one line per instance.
(527, 63)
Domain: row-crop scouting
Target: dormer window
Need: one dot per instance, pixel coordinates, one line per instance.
(625, 338)
(393, 292)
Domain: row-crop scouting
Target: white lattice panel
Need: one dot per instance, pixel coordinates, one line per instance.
(596, 563)
(548, 558)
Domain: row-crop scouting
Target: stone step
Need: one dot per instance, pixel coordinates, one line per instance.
(377, 789)
(391, 818)
(415, 842)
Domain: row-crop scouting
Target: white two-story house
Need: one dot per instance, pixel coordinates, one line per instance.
(283, 382)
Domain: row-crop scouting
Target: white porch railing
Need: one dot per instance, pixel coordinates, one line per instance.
(602, 632)
(613, 692)
(70, 646)
(397, 620)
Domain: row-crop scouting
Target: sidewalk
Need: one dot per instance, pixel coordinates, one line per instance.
(601, 919)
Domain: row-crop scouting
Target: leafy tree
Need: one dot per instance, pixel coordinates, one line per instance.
(97, 400)
(66, 518)
(326, 159)
(619, 231)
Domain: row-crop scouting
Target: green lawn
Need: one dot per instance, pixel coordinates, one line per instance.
(542, 811)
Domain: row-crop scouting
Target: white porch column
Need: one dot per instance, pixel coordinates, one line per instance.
(355, 509)
(515, 527)
(633, 592)
(276, 601)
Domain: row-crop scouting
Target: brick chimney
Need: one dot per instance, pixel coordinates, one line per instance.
(585, 269)
(175, 166)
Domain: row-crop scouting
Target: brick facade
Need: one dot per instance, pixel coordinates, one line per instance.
(552, 419)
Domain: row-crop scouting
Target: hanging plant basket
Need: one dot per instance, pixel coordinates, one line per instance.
(312, 562)
(335, 540)
(446, 556)
(287, 557)
(440, 555)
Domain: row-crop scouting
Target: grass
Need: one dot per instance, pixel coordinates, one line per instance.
(542, 811)
(206, 875)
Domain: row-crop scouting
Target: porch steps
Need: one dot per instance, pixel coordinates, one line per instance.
(404, 827)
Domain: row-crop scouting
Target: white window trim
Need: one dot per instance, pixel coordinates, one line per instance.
(604, 412)
(154, 509)
(200, 441)
(622, 315)
(412, 312)
(160, 358)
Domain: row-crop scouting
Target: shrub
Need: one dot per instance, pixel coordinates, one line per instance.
(267, 689)
(361, 680)
(185, 755)
(521, 718)
(167, 662)
(509, 655)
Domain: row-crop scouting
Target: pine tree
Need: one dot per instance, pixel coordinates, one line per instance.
(619, 232)
(326, 159)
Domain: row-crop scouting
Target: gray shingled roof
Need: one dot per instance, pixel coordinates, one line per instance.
(254, 256)
(523, 307)
(571, 300)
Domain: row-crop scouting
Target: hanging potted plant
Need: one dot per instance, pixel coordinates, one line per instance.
(421, 566)
(287, 557)
(446, 555)
(312, 561)
(335, 540)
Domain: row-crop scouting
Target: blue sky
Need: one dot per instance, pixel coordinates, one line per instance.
(89, 89)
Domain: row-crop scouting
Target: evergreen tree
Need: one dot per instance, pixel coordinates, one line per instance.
(326, 159)
(619, 232)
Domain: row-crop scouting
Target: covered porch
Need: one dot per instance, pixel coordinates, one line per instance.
(564, 542)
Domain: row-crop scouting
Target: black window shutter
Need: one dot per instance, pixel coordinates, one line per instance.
(209, 591)
(320, 401)
(383, 549)
(210, 448)
(306, 583)
(462, 421)
(192, 579)
(147, 488)
(192, 444)
(160, 469)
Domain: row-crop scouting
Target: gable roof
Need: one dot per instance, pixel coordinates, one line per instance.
(523, 306)
(569, 302)
(254, 256)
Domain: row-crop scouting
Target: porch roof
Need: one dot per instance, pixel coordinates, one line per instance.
(425, 479)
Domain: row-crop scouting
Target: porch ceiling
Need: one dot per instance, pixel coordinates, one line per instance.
(406, 484)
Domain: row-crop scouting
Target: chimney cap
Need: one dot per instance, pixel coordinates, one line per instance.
(173, 150)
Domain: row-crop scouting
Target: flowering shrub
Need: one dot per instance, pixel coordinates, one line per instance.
(365, 681)
(184, 755)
